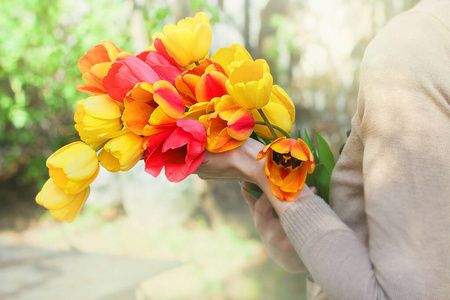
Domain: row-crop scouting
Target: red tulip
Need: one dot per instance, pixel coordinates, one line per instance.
(180, 149)
(166, 69)
(125, 74)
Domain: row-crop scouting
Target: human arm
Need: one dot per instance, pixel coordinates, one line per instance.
(402, 134)
(272, 234)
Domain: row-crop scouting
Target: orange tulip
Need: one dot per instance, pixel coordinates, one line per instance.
(95, 64)
(287, 163)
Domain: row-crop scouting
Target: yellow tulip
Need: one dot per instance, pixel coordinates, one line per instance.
(189, 40)
(250, 83)
(226, 57)
(96, 117)
(73, 167)
(63, 207)
(280, 111)
(121, 153)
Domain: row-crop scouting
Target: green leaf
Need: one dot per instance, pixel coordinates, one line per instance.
(253, 193)
(326, 156)
(320, 179)
(311, 146)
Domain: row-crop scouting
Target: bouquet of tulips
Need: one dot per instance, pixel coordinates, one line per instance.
(168, 105)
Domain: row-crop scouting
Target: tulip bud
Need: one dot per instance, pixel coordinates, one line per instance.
(96, 116)
(280, 111)
(121, 153)
(189, 40)
(73, 167)
(63, 207)
(227, 56)
(250, 84)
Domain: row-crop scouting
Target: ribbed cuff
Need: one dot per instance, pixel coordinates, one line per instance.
(306, 217)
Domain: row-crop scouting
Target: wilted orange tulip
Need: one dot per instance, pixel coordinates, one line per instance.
(280, 111)
(121, 153)
(189, 40)
(287, 163)
(95, 64)
(96, 117)
(228, 128)
(250, 83)
(73, 167)
(63, 207)
(227, 56)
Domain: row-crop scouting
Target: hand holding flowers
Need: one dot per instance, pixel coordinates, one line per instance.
(176, 109)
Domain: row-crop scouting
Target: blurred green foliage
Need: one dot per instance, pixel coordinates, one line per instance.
(40, 43)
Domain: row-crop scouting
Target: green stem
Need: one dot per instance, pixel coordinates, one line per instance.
(276, 127)
(267, 123)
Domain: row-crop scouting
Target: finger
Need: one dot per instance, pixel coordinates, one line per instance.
(263, 207)
(263, 216)
(270, 231)
(215, 178)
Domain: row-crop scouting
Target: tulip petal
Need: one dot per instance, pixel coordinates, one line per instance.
(296, 179)
(210, 86)
(168, 98)
(241, 124)
(136, 116)
(155, 163)
(141, 70)
(196, 129)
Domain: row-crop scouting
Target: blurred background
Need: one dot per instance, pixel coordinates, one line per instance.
(140, 237)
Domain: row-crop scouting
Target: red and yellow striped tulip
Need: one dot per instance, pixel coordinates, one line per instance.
(147, 106)
(228, 128)
(202, 83)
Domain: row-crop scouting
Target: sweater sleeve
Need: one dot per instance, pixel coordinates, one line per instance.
(395, 245)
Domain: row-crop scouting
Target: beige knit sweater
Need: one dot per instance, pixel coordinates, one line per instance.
(388, 235)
